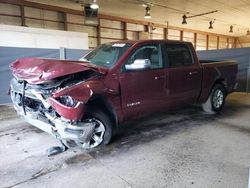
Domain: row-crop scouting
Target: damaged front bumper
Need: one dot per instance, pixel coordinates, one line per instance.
(34, 109)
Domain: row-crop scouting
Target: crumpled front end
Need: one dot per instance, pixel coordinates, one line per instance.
(56, 107)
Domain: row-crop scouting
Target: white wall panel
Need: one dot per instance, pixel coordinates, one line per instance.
(15, 36)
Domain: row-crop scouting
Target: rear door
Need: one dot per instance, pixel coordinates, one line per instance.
(143, 91)
(184, 75)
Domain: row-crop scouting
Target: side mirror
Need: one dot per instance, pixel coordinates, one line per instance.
(139, 64)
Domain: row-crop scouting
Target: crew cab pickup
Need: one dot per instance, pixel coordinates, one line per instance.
(82, 102)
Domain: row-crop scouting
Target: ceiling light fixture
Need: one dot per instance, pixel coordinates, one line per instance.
(248, 32)
(211, 25)
(147, 15)
(231, 29)
(184, 19)
(94, 5)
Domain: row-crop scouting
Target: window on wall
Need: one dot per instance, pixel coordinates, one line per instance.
(178, 55)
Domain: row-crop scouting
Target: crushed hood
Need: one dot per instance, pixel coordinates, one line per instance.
(36, 71)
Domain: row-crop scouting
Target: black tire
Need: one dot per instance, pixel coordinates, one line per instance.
(105, 119)
(98, 116)
(216, 100)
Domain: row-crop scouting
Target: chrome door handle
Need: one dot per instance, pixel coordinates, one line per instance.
(159, 77)
(195, 72)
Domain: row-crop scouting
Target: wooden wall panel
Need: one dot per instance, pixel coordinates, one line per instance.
(243, 41)
(110, 33)
(111, 28)
(53, 25)
(10, 20)
(9, 9)
(132, 35)
(230, 42)
(158, 30)
(33, 12)
(107, 40)
(201, 42)
(92, 42)
(135, 27)
(91, 30)
(111, 24)
(188, 37)
(51, 15)
(34, 23)
(212, 45)
(223, 42)
(173, 37)
(156, 36)
(75, 19)
(174, 34)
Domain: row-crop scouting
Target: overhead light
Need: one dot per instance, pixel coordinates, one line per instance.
(184, 19)
(210, 25)
(231, 29)
(94, 5)
(147, 15)
(248, 32)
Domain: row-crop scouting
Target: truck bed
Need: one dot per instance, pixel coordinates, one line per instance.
(214, 70)
(211, 61)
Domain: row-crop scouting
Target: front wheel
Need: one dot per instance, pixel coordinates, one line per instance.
(102, 131)
(216, 100)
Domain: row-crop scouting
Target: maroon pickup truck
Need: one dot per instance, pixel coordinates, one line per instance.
(82, 102)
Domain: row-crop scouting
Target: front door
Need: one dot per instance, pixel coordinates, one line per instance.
(143, 91)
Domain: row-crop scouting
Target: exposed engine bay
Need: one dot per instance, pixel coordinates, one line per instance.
(45, 105)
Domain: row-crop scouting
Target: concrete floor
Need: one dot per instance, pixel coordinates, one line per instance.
(185, 148)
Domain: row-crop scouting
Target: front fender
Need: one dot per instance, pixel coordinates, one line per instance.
(81, 92)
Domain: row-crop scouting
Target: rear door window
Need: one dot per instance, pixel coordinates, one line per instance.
(178, 55)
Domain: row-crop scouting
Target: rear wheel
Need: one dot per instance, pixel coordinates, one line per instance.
(216, 100)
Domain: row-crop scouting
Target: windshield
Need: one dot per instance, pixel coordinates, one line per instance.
(106, 55)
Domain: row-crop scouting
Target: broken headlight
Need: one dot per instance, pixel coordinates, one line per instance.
(67, 101)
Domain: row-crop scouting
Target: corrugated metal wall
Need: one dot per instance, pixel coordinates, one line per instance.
(8, 55)
(241, 55)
